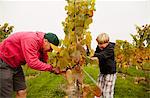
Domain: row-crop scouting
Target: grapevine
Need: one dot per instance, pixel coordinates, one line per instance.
(5, 30)
(72, 55)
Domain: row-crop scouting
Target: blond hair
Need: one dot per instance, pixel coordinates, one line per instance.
(102, 38)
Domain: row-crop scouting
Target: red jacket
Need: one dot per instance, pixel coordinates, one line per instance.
(24, 47)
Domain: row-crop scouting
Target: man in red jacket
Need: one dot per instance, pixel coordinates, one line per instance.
(23, 48)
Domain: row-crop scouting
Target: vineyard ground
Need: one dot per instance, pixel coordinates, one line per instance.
(48, 85)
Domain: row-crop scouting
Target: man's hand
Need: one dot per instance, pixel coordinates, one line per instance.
(56, 70)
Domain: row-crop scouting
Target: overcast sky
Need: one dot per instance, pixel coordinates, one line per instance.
(117, 18)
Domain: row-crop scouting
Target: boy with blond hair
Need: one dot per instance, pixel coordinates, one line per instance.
(105, 54)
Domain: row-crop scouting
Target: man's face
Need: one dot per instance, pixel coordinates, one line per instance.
(47, 46)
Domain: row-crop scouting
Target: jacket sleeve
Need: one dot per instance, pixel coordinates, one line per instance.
(106, 53)
(30, 51)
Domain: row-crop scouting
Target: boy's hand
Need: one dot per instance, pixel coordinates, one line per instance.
(93, 58)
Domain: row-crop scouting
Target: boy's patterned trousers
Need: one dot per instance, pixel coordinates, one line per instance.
(107, 82)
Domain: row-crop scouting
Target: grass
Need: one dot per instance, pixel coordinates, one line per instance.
(125, 88)
(46, 85)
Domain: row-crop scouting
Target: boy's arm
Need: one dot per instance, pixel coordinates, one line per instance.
(104, 54)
